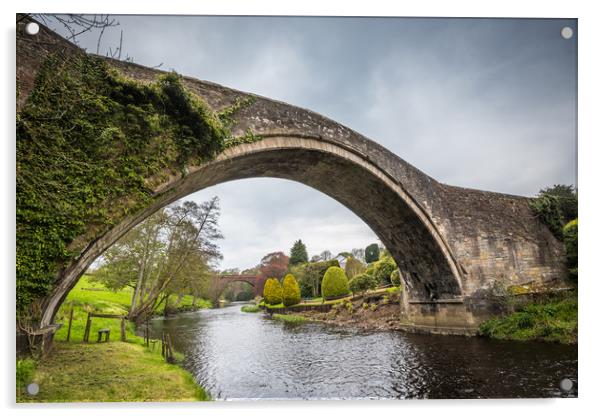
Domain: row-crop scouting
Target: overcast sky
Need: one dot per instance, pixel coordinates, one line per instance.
(478, 103)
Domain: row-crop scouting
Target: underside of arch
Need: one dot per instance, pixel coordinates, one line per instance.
(428, 268)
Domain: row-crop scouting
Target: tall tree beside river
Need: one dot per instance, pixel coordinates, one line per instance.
(172, 252)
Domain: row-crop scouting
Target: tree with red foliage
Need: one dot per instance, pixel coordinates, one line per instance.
(273, 265)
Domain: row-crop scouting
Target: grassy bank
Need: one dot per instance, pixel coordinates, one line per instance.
(289, 318)
(114, 371)
(88, 296)
(552, 321)
(250, 309)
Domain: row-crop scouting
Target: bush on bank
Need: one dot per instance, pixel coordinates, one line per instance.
(291, 294)
(383, 269)
(272, 291)
(334, 283)
(362, 283)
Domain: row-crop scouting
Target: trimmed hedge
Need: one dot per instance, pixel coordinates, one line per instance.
(272, 291)
(291, 293)
(334, 283)
(362, 283)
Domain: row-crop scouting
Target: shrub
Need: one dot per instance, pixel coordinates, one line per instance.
(334, 283)
(365, 306)
(396, 277)
(362, 283)
(272, 291)
(570, 243)
(291, 294)
(373, 307)
(250, 309)
(383, 270)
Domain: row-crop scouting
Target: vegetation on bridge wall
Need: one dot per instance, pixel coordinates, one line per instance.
(91, 145)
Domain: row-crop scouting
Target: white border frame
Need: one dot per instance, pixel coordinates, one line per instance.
(590, 68)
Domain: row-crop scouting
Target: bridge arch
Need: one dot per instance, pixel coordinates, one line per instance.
(256, 281)
(428, 266)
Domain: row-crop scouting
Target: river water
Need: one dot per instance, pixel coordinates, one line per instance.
(237, 355)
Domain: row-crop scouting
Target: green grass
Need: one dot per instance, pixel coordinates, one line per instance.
(88, 296)
(553, 321)
(250, 309)
(124, 369)
(79, 372)
(25, 372)
(289, 318)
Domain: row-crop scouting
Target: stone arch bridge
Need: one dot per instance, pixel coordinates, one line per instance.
(256, 281)
(451, 244)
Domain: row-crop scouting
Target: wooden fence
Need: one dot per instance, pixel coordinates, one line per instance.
(104, 316)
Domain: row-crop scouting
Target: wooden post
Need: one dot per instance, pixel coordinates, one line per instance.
(163, 344)
(123, 329)
(70, 321)
(87, 331)
(169, 354)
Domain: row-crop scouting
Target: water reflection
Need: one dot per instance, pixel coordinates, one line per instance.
(239, 355)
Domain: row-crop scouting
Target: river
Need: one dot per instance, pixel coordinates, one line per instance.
(237, 355)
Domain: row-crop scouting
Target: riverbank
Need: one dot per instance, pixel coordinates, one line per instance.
(551, 320)
(368, 313)
(113, 371)
(108, 372)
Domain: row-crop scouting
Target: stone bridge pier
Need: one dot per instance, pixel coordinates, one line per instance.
(452, 244)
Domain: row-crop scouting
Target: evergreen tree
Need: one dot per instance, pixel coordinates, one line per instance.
(298, 253)
(372, 253)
